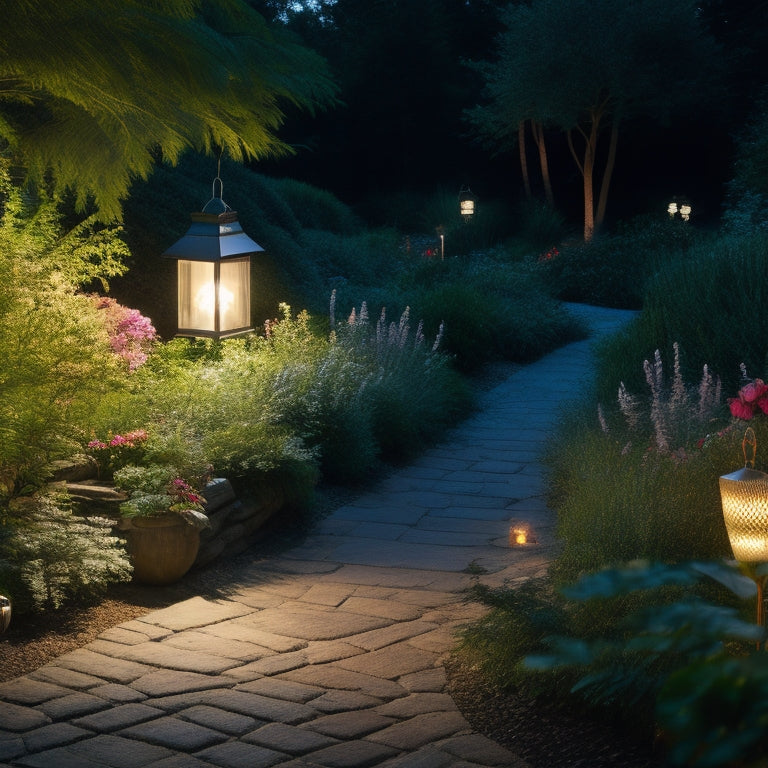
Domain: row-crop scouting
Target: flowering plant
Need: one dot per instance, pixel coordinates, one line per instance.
(131, 335)
(117, 451)
(752, 398)
(157, 490)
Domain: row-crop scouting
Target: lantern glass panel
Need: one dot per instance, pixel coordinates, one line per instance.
(234, 294)
(197, 295)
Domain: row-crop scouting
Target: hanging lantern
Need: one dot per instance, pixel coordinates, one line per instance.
(214, 272)
(744, 496)
(467, 204)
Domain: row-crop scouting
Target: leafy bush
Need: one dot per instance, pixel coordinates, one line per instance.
(689, 658)
(612, 270)
(491, 310)
(710, 304)
(51, 557)
(55, 357)
(637, 478)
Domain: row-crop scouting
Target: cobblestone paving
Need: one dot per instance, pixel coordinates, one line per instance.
(330, 655)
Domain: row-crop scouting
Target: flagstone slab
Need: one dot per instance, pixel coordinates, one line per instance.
(231, 723)
(99, 665)
(309, 622)
(195, 612)
(210, 645)
(24, 690)
(291, 739)
(391, 662)
(14, 717)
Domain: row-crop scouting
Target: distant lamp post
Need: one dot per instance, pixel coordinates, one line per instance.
(467, 205)
(744, 497)
(679, 208)
(441, 234)
(214, 272)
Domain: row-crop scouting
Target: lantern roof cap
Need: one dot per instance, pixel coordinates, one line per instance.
(215, 234)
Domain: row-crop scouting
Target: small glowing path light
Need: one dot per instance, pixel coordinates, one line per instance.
(214, 272)
(744, 496)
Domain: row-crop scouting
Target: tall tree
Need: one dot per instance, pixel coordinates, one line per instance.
(586, 67)
(90, 93)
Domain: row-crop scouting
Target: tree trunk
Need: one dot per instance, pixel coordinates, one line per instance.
(523, 159)
(538, 137)
(606, 182)
(586, 165)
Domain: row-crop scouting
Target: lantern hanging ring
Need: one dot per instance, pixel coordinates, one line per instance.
(751, 441)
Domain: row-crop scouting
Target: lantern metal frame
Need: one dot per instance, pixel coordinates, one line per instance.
(214, 272)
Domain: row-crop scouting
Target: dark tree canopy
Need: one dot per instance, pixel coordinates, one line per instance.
(588, 66)
(92, 92)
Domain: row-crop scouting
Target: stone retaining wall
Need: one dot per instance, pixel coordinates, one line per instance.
(233, 523)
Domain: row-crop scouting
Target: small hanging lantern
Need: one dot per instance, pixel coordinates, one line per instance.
(467, 204)
(744, 496)
(214, 272)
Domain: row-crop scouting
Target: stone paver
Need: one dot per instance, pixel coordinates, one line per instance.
(330, 654)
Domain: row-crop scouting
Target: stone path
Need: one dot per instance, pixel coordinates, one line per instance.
(329, 655)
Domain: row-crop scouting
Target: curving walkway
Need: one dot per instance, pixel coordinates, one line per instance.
(329, 655)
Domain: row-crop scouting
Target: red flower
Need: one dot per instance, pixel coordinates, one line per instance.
(751, 392)
(740, 409)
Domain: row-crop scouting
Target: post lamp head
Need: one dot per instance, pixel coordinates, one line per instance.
(744, 496)
(680, 207)
(467, 204)
(214, 272)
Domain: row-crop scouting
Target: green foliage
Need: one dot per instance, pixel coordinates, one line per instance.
(55, 358)
(51, 557)
(132, 76)
(691, 656)
(709, 303)
(746, 207)
(637, 477)
(543, 39)
(613, 270)
(316, 208)
(491, 310)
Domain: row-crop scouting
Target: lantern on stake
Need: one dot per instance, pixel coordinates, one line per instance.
(744, 497)
(214, 272)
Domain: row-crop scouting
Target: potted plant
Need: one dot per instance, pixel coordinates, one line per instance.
(162, 520)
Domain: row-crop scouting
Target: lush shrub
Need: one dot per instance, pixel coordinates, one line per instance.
(491, 310)
(636, 477)
(317, 208)
(55, 356)
(612, 270)
(710, 303)
(51, 557)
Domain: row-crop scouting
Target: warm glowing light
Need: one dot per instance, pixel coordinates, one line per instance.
(467, 207)
(672, 209)
(518, 536)
(744, 496)
(685, 212)
(205, 298)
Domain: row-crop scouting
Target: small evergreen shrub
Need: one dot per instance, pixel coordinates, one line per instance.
(51, 557)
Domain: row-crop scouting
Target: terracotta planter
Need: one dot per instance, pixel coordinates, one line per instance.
(162, 548)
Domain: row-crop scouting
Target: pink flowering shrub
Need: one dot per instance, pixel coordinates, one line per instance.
(117, 451)
(752, 398)
(131, 334)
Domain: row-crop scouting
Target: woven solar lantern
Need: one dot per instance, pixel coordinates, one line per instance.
(744, 496)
